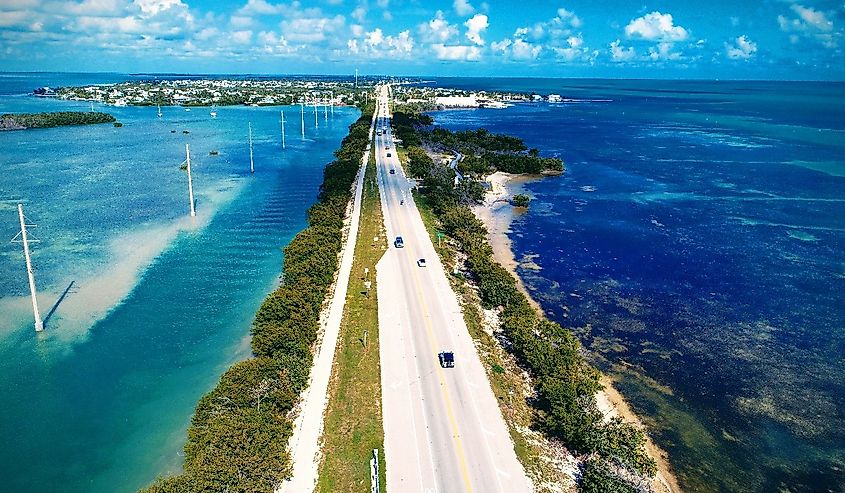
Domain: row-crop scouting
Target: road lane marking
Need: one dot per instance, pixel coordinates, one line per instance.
(433, 342)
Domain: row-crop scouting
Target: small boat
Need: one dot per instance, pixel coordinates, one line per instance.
(214, 153)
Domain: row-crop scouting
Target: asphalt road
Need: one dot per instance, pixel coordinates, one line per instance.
(443, 428)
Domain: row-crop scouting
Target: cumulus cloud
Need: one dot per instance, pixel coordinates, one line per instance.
(241, 37)
(809, 23)
(656, 27)
(517, 49)
(261, 7)
(438, 29)
(311, 29)
(568, 17)
(557, 37)
(574, 49)
(463, 7)
(741, 48)
(475, 26)
(457, 52)
(662, 52)
(376, 43)
(620, 53)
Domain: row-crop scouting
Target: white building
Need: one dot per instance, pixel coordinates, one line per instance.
(457, 101)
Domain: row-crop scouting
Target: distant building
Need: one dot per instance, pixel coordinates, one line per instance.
(457, 101)
(554, 98)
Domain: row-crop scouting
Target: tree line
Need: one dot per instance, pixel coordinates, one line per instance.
(564, 381)
(13, 121)
(237, 440)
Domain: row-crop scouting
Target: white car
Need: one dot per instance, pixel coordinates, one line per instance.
(421, 262)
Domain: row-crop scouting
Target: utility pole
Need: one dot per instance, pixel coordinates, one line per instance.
(190, 181)
(302, 118)
(282, 114)
(39, 324)
(251, 164)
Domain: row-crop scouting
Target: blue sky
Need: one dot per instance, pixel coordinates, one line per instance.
(765, 39)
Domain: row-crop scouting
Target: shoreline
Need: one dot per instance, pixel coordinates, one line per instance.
(497, 214)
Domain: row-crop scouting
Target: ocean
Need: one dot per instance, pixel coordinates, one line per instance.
(145, 307)
(696, 244)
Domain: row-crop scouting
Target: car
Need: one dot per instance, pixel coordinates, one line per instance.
(421, 262)
(398, 242)
(447, 359)
(386, 148)
(392, 171)
(389, 155)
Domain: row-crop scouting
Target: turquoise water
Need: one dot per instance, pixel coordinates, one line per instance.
(696, 243)
(158, 304)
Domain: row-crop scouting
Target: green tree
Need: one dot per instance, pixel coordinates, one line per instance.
(520, 200)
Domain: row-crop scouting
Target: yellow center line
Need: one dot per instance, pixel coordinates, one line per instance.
(433, 341)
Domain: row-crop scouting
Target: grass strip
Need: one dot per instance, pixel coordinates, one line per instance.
(353, 421)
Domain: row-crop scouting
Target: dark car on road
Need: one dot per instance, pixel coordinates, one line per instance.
(398, 243)
(447, 359)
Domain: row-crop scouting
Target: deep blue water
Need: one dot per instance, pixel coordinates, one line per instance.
(697, 244)
(160, 305)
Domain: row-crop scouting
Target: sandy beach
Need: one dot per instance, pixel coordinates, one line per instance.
(497, 214)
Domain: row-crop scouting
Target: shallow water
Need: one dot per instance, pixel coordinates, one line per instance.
(159, 304)
(697, 242)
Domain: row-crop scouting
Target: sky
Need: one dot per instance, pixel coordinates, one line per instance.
(704, 39)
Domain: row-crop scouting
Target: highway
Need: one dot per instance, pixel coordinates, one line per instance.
(443, 428)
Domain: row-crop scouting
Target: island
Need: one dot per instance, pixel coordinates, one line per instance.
(23, 121)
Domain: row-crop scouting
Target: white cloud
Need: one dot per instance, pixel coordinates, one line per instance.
(457, 53)
(517, 49)
(663, 51)
(241, 21)
(383, 3)
(810, 23)
(438, 30)
(241, 37)
(620, 53)
(809, 19)
(475, 26)
(575, 50)
(656, 27)
(153, 7)
(261, 7)
(375, 43)
(359, 14)
(741, 49)
(558, 36)
(568, 17)
(311, 30)
(463, 7)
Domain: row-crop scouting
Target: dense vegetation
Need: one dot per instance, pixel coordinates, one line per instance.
(565, 382)
(239, 432)
(520, 200)
(16, 121)
(486, 152)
